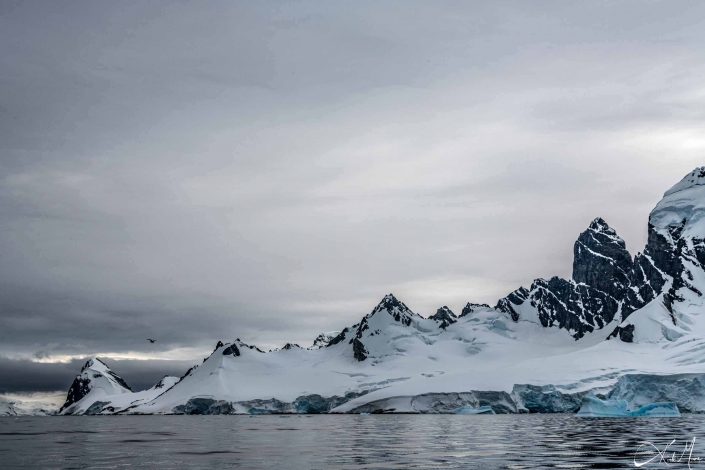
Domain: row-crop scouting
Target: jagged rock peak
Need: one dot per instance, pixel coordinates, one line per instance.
(602, 233)
(601, 259)
(289, 346)
(395, 308)
(509, 303)
(234, 348)
(324, 339)
(231, 350)
(694, 178)
(94, 363)
(578, 308)
(444, 316)
(375, 323)
(389, 302)
(445, 310)
(600, 225)
(471, 308)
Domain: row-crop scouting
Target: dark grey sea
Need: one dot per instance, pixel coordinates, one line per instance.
(351, 442)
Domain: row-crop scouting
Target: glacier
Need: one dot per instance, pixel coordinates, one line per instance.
(593, 407)
(469, 410)
(30, 404)
(627, 328)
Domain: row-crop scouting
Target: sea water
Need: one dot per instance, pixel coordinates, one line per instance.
(348, 441)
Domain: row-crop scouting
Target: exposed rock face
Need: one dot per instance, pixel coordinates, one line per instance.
(624, 333)
(676, 233)
(359, 350)
(471, 308)
(597, 294)
(389, 312)
(607, 284)
(565, 304)
(601, 260)
(510, 303)
(324, 339)
(444, 316)
(674, 257)
(577, 308)
(393, 307)
(231, 350)
(235, 348)
(79, 389)
(339, 337)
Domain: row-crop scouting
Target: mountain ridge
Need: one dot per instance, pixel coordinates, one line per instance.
(582, 333)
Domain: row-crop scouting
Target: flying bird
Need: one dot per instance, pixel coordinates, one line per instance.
(151, 340)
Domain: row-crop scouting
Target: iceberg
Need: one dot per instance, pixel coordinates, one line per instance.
(687, 391)
(469, 410)
(593, 407)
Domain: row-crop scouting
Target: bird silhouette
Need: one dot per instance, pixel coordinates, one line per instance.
(151, 340)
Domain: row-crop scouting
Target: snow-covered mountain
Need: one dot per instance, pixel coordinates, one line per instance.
(97, 389)
(620, 322)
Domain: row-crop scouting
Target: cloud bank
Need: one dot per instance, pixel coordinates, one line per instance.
(192, 172)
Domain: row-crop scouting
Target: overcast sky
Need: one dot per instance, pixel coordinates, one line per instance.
(211, 170)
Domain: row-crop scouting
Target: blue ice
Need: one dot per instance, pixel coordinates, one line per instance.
(469, 410)
(593, 407)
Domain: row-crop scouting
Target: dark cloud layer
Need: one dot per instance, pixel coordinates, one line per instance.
(24, 375)
(269, 170)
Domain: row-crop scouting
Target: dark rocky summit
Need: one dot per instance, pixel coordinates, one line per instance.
(601, 260)
(324, 340)
(394, 309)
(231, 350)
(471, 308)
(444, 316)
(509, 303)
(602, 268)
(609, 285)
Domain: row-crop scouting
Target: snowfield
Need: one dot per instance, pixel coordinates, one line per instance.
(621, 326)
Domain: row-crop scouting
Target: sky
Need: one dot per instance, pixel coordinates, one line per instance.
(196, 171)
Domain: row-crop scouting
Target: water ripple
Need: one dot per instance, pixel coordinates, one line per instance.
(338, 442)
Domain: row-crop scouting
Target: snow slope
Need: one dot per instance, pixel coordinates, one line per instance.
(541, 348)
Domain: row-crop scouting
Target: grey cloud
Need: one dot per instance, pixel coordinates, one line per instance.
(28, 376)
(270, 170)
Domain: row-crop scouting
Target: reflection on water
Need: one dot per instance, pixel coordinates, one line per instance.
(341, 441)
